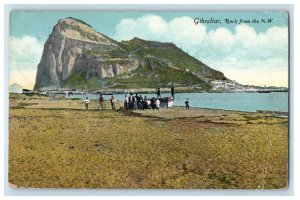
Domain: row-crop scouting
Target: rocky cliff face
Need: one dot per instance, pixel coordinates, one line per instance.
(76, 56)
(74, 46)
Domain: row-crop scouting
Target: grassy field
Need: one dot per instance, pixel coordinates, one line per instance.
(55, 143)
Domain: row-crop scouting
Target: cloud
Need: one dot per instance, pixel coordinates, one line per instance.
(277, 77)
(244, 48)
(272, 71)
(271, 43)
(24, 53)
(180, 30)
(150, 25)
(183, 30)
(25, 77)
(220, 38)
(246, 35)
(24, 56)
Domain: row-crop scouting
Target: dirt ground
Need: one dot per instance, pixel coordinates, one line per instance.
(56, 143)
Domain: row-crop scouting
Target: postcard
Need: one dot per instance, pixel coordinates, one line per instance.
(149, 99)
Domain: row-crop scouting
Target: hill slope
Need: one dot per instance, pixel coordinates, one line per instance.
(76, 56)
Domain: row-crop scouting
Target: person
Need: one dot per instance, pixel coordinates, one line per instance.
(152, 103)
(101, 102)
(144, 105)
(157, 103)
(140, 104)
(158, 93)
(113, 102)
(130, 102)
(187, 106)
(173, 92)
(137, 97)
(148, 103)
(86, 102)
(126, 102)
(134, 101)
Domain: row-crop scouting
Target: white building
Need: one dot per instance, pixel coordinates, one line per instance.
(15, 88)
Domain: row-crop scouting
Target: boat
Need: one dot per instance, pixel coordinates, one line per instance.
(166, 102)
(264, 91)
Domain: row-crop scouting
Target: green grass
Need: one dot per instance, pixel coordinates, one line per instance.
(160, 76)
(79, 80)
(171, 53)
(73, 148)
(108, 54)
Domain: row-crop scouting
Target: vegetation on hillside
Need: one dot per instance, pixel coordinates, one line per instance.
(108, 53)
(152, 75)
(169, 52)
(160, 64)
(83, 80)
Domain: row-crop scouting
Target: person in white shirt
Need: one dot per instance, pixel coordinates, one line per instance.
(86, 102)
(148, 103)
(126, 103)
(157, 102)
(113, 102)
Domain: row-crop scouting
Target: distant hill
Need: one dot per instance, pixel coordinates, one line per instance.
(76, 56)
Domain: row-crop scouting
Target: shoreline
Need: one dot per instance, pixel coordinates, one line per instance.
(120, 103)
(275, 113)
(144, 92)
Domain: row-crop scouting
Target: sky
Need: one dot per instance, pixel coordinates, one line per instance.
(250, 53)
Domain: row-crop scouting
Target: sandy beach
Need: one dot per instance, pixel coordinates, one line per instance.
(56, 143)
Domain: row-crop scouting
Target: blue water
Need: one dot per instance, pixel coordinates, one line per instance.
(275, 101)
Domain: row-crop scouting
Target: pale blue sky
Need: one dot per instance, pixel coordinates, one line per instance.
(249, 53)
(40, 24)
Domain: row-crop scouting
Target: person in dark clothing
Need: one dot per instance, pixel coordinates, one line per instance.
(138, 100)
(187, 103)
(153, 105)
(145, 105)
(101, 102)
(140, 103)
(173, 92)
(158, 93)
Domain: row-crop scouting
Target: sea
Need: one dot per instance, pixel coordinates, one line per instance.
(250, 102)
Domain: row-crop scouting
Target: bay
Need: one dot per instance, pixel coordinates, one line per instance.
(251, 102)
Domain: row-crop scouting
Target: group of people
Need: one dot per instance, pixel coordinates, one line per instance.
(101, 102)
(137, 102)
(172, 92)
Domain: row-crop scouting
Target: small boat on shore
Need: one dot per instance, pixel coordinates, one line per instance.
(166, 102)
(264, 91)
